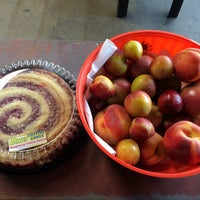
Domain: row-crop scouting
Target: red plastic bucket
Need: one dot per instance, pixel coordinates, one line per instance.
(158, 42)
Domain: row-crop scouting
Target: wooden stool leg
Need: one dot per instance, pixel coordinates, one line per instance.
(175, 8)
(122, 8)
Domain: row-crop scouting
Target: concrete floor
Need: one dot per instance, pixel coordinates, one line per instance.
(92, 19)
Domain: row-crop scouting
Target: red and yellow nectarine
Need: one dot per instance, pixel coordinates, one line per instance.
(138, 104)
(112, 124)
(182, 143)
(152, 151)
(128, 151)
(141, 129)
(191, 96)
(187, 66)
(102, 87)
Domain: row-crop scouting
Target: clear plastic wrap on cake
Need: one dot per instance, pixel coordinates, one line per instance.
(37, 100)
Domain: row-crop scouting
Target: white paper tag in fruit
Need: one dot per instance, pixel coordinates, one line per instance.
(27, 141)
(107, 49)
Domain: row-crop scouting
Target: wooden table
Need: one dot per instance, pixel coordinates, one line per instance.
(89, 174)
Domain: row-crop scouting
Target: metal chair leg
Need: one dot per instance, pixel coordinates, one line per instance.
(175, 8)
(122, 8)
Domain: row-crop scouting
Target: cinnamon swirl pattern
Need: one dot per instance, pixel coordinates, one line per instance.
(33, 100)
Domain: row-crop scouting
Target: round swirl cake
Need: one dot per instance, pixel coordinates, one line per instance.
(38, 118)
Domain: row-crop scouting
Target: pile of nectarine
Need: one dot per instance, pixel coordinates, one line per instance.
(147, 106)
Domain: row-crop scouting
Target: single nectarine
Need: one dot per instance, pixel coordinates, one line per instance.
(102, 87)
(141, 129)
(191, 96)
(187, 66)
(161, 67)
(182, 143)
(138, 104)
(128, 151)
(152, 151)
(112, 124)
(116, 65)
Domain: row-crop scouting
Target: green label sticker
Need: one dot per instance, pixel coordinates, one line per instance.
(27, 141)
